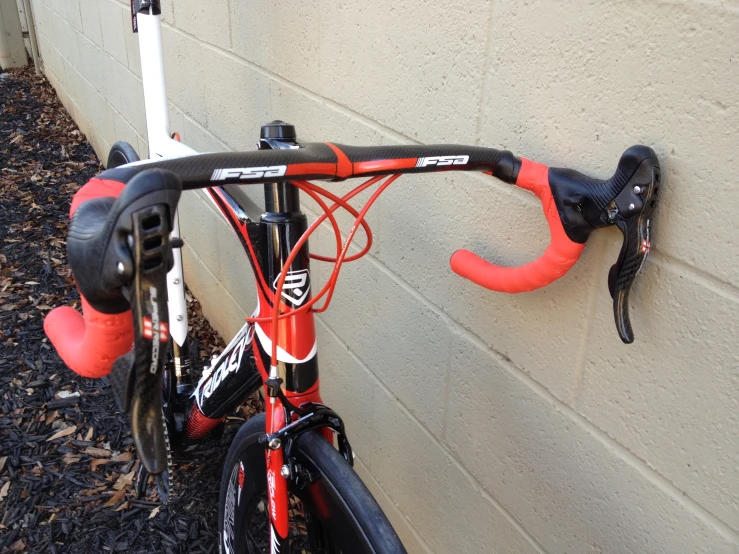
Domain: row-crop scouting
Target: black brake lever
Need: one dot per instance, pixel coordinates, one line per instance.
(631, 212)
(151, 249)
(626, 200)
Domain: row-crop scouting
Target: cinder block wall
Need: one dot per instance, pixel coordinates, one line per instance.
(483, 422)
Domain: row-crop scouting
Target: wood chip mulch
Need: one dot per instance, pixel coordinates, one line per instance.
(66, 455)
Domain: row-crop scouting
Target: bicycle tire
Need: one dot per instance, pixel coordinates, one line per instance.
(121, 153)
(349, 521)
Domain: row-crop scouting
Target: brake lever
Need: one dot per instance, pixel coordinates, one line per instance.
(631, 212)
(627, 201)
(151, 251)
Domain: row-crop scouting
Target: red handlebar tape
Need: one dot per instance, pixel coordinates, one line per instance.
(91, 342)
(556, 260)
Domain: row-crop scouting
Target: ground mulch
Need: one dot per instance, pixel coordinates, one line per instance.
(66, 455)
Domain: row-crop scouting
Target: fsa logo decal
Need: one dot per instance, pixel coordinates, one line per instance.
(442, 160)
(248, 172)
(296, 286)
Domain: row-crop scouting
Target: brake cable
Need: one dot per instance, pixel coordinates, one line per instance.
(328, 289)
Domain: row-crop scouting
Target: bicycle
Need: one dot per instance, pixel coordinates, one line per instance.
(284, 476)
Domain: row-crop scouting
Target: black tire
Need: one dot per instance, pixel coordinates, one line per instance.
(121, 153)
(349, 521)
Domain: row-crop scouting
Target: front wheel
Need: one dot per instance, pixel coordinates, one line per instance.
(121, 153)
(335, 514)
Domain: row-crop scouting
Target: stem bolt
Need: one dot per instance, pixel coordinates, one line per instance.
(274, 443)
(637, 189)
(180, 318)
(177, 281)
(285, 471)
(121, 268)
(631, 206)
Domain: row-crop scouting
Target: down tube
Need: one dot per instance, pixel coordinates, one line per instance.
(235, 373)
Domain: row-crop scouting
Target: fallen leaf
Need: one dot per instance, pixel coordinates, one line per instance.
(51, 417)
(117, 497)
(31, 283)
(4, 490)
(90, 431)
(96, 490)
(97, 462)
(123, 481)
(97, 452)
(154, 513)
(18, 546)
(125, 506)
(124, 457)
(63, 433)
(66, 394)
(70, 458)
(2, 463)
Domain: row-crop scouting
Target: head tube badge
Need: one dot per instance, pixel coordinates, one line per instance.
(296, 286)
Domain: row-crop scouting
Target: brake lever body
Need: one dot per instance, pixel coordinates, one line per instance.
(635, 225)
(148, 297)
(627, 201)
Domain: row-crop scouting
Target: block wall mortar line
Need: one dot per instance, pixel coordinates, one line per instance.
(591, 305)
(217, 280)
(484, 90)
(718, 286)
(374, 125)
(453, 459)
(415, 532)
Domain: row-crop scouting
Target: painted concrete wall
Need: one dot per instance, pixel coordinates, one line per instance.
(483, 422)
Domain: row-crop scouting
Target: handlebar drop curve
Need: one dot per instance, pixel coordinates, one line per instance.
(557, 259)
